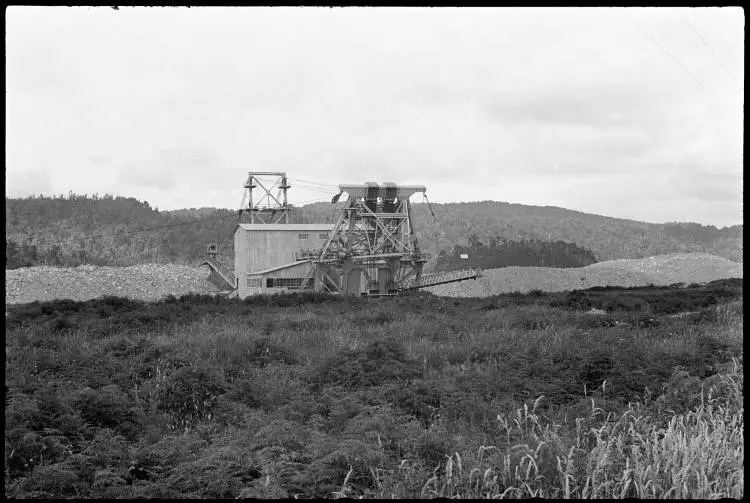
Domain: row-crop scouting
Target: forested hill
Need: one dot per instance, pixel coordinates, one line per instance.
(608, 238)
(111, 230)
(108, 230)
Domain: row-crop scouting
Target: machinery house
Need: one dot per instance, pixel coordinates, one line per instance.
(371, 249)
(273, 258)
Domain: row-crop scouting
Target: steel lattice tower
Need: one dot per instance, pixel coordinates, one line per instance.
(268, 208)
(372, 249)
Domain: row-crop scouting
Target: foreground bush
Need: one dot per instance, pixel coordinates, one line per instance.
(417, 397)
(697, 455)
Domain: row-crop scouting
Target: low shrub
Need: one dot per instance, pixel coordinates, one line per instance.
(221, 472)
(381, 361)
(106, 407)
(52, 481)
(417, 396)
(189, 393)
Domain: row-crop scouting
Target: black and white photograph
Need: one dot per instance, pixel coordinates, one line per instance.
(395, 252)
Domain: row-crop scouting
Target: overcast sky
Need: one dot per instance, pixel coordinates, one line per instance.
(631, 113)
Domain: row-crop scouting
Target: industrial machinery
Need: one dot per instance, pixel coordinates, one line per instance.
(219, 275)
(264, 209)
(372, 249)
(268, 208)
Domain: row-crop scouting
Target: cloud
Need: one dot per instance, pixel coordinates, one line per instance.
(714, 187)
(136, 176)
(31, 181)
(173, 168)
(576, 107)
(585, 106)
(99, 160)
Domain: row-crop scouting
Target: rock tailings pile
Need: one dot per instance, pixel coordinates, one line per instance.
(659, 270)
(143, 282)
(155, 281)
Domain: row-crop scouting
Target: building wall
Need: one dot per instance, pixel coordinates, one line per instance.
(258, 283)
(256, 250)
(267, 246)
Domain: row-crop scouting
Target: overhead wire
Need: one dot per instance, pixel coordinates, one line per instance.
(434, 218)
(314, 183)
(316, 187)
(325, 191)
(316, 200)
(319, 189)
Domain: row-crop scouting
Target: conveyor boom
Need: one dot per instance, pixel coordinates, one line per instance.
(441, 278)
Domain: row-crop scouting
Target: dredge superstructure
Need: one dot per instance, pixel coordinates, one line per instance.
(371, 249)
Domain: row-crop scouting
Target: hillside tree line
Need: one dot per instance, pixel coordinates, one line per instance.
(497, 252)
(112, 230)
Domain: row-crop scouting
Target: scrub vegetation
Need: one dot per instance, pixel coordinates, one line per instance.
(420, 396)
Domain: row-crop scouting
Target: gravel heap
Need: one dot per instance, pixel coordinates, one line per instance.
(143, 282)
(659, 270)
(696, 267)
(155, 281)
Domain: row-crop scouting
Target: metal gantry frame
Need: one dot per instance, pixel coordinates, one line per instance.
(268, 208)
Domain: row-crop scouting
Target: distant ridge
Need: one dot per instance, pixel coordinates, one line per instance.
(607, 237)
(109, 230)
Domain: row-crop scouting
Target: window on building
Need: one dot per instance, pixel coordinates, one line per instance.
(323, 235)
(289, 283)
(304, 235)
(253, 282)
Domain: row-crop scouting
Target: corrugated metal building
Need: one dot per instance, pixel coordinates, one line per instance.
(267, 256)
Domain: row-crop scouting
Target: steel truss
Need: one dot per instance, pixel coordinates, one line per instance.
(372, 249)
(268, 208)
